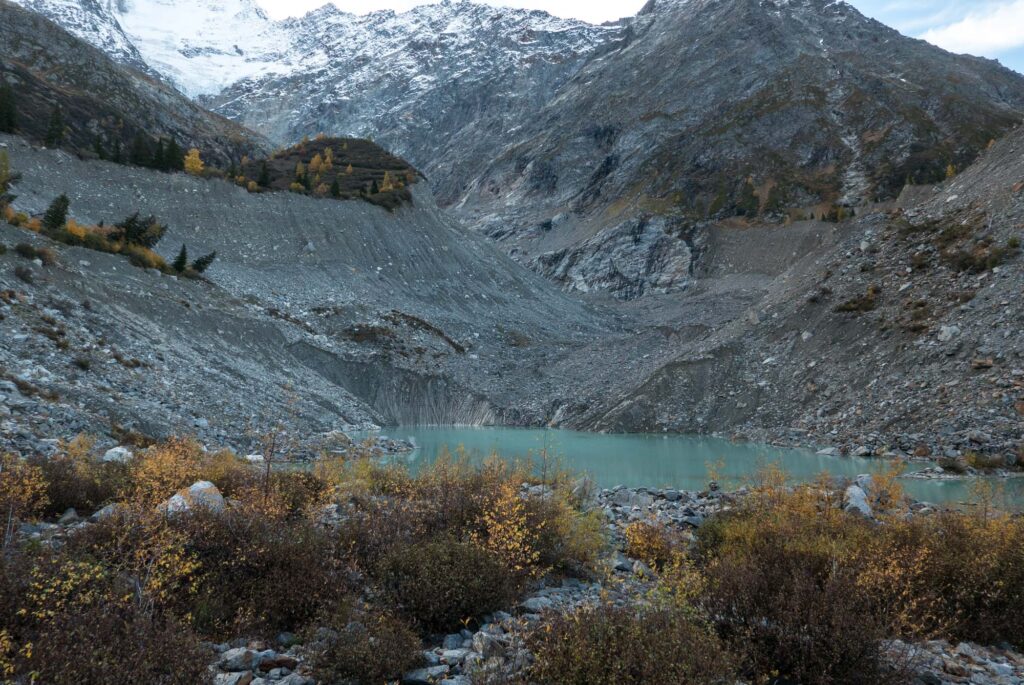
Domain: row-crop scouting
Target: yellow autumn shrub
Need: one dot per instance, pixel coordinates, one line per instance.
(164, 469)
(22, 495)
(507, 531)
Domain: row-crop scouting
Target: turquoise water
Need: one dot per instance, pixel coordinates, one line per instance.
(660, 461)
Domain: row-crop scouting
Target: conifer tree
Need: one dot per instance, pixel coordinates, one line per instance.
(55, 130)
(203, 263)
(117, 156)
(8, 108)
(316, 165)
(193, 163)
(181, 262)
(160, 156)
(174, 157)
(97, 147)
(328, 159)
(374, 189)
(264, 179)
(348, 170)
(335, 188)
(387, 185)
(232, 170)
(57, 214)
(140, 154)
(137, 231)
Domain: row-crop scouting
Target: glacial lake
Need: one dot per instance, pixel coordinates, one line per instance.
(663, 461)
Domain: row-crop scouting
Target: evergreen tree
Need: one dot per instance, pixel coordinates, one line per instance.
(203, 263)
(232, 171)
(140, 154)
(97, 147)
(181, 263)
(117, 155)
(8, 108)
(55, 130)
(264, 179)
(335, 188)
(137, 231)
(373, 188)
(57, 214)
(159, 161)
(174, 157)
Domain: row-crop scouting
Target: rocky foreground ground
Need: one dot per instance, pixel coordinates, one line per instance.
(493, 649)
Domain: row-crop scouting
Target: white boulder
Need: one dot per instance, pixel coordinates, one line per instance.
(119, 455)
(202, 494)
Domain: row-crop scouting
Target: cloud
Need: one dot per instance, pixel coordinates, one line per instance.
(988, 31)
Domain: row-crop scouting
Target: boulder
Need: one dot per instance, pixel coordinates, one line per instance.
(425, 676)
(104, 513)
(255, 458)
(536, 605)
(237, 660)
(201, 494)
(856, 501)
(118, 455)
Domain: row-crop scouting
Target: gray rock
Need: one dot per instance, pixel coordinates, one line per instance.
(487, 645)
(537, 604)
(237, 659)
(425, 676)
(856, 500)
(201, 494)
(120, 455)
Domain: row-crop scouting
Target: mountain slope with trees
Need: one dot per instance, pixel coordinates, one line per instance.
(66, 93)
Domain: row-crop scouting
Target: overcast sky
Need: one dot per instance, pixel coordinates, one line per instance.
(991, 28)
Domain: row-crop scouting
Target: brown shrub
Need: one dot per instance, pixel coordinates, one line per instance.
(367, 650)
(228, 572)
(608, 645)
(260, 573)
(793, 612)
(75, 480)
(78, 622)
(440, 583)
(952, 575)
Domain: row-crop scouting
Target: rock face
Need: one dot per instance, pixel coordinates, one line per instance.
(635, 258)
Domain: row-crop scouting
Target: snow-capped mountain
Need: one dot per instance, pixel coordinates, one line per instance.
(455, 78)
(94, 22)
(200, 46)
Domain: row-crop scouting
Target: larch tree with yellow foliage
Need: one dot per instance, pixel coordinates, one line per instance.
(348, 170)
(388, 184)
(316, 164)
(194, 163)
